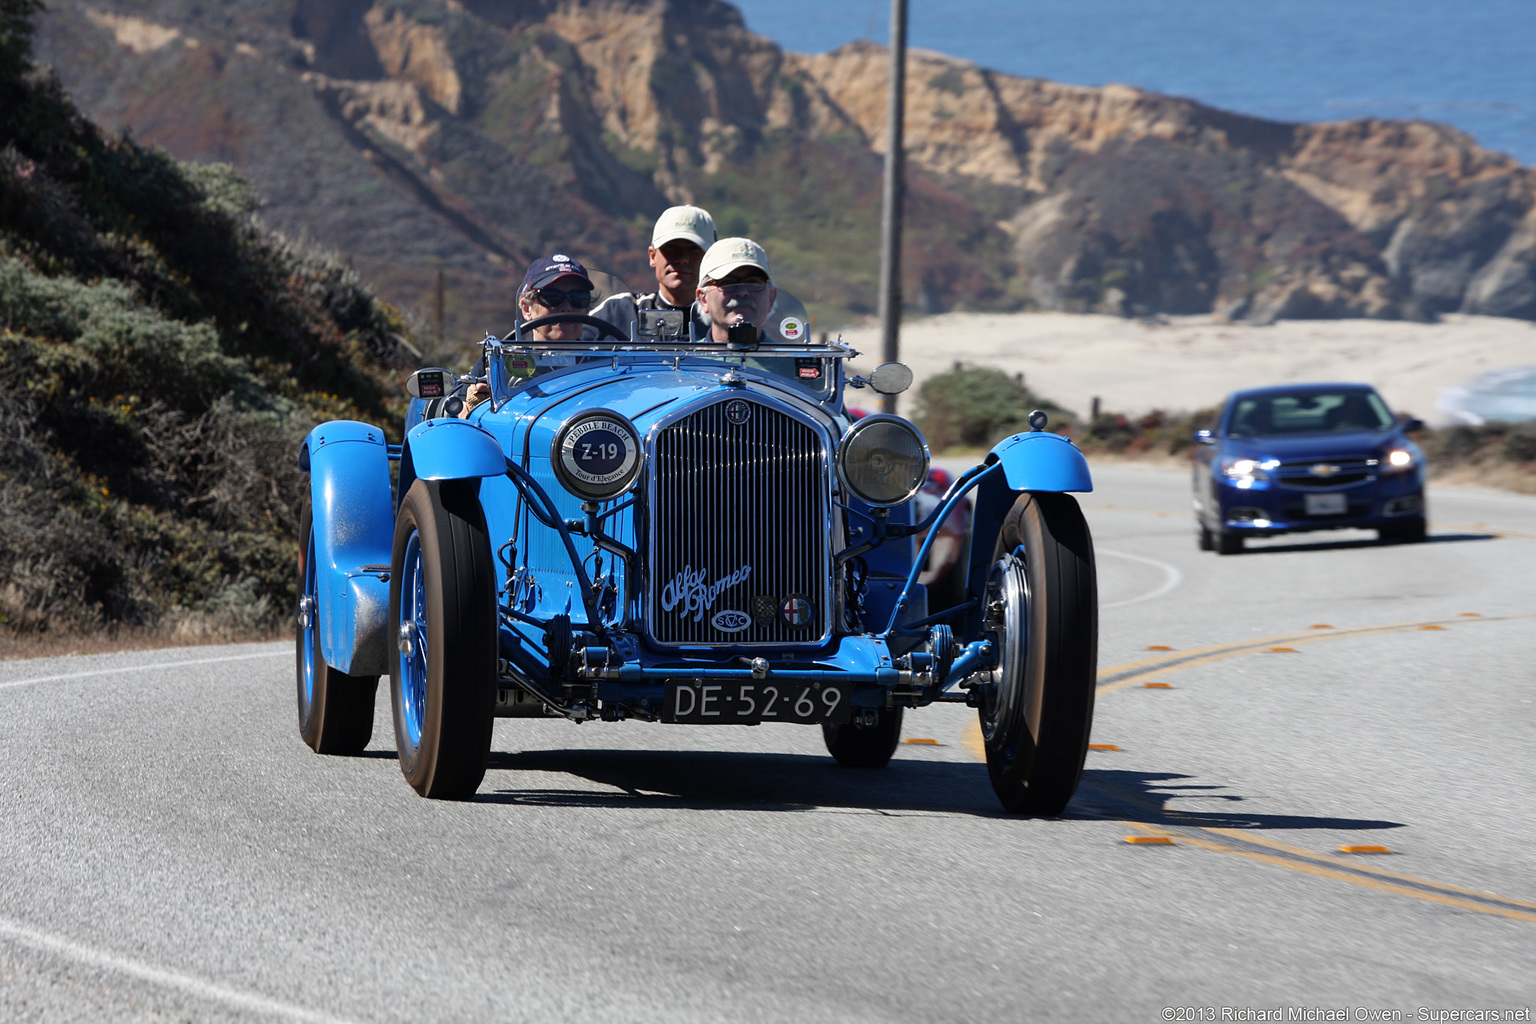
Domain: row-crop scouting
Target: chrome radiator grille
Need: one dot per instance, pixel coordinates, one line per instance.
(739, 529)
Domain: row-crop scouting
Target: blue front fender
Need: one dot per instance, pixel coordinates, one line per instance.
(354, 525)
(450, 449)
(1038, 461)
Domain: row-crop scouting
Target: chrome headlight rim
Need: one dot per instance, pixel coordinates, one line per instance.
(844, 446)
(606, 483)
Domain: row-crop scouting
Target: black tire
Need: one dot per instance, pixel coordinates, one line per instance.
(1042, 602)
(1205, 540)
(870, 747)
(335, 709)
(1409, 531)
(1228, 543)
(442, 592)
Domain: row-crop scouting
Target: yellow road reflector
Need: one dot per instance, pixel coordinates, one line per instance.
(1471, 615)
(1159, 647)
(923, 740)
(1149, 841)
(1102, 746)
(1283, 650)
(1157, 686)
(1319, 625)
(1364, 849)
(1431, 627)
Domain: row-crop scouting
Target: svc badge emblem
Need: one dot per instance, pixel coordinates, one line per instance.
(729, 620)
(737, 411)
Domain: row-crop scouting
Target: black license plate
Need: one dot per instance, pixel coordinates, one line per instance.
(736, 702)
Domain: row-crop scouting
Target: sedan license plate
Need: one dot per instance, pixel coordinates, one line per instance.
(738, 702)
(1326, 505)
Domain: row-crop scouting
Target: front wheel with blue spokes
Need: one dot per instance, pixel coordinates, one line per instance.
(1042, 612)
(335, 709)
(442, 606)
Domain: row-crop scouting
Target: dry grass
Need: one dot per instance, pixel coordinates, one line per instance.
(58, 645)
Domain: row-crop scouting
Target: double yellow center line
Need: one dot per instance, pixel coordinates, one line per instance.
(1242, 843)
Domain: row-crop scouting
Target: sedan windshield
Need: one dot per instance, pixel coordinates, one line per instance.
(1309, 412)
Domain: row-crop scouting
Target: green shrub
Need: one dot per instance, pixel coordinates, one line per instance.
(975, 406)
(162, 356)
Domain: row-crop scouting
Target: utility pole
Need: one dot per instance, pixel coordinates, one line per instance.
(890, 214)
(438, 311)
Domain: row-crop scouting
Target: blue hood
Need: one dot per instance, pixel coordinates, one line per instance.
(1365, 444)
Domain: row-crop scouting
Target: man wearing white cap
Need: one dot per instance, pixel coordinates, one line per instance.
(678, 242)
(735, 287)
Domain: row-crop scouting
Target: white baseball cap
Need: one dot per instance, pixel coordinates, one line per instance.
(689, 222)
(730, 254)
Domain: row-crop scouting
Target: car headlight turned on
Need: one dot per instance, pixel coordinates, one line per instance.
(882, 461)
(1397, 460)
(1245, 472)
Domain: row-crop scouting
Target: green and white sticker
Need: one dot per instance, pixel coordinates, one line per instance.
(791, 328)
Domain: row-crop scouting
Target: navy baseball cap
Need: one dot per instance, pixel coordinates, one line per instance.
(550, 268)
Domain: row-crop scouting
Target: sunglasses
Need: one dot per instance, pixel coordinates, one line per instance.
(749, 288)
(553, 298)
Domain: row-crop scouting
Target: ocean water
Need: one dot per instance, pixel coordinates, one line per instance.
(1469, 63)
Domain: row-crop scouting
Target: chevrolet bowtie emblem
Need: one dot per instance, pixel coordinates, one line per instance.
(1323, 469)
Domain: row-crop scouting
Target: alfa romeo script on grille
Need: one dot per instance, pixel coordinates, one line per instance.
(733, 702)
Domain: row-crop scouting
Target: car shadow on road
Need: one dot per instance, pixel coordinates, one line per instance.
(741, 780)
(1270, 548)
(1144, 797)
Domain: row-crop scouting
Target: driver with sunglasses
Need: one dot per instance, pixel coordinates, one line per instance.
(553, 284)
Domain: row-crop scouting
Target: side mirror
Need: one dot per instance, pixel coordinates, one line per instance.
(432, 382)
(1204, 437)
(1412, 424)
(891, 378)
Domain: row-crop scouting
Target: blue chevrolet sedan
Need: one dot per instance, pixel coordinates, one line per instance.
(1299, 457)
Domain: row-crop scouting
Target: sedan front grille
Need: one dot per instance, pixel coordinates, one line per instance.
(1316, 474)
(739, 529)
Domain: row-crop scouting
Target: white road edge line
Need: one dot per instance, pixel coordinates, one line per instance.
(199, 987)
(140, 668)
(1174, 578)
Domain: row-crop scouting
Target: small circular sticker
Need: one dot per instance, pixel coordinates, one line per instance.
(791, 328)
(521, 364)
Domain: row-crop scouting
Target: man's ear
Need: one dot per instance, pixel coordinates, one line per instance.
(652, 254)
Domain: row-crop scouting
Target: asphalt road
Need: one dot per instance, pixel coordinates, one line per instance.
(169, 849)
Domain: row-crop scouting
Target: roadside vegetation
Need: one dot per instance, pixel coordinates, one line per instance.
(973, 407)
(161, 357)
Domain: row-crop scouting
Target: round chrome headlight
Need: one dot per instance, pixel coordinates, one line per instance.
(883, 460)
(597, 455)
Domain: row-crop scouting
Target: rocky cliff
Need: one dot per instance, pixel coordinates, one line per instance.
(469, 134)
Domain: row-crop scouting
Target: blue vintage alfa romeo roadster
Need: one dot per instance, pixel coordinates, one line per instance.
(646, 526)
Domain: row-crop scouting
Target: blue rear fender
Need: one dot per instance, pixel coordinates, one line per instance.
(354, 528)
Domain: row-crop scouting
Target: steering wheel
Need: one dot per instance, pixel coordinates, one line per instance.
(603, 326)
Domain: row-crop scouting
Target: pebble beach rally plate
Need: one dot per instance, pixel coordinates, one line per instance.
(599, 452)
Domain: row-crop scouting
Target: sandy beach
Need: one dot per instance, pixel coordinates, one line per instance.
(1188, 363)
